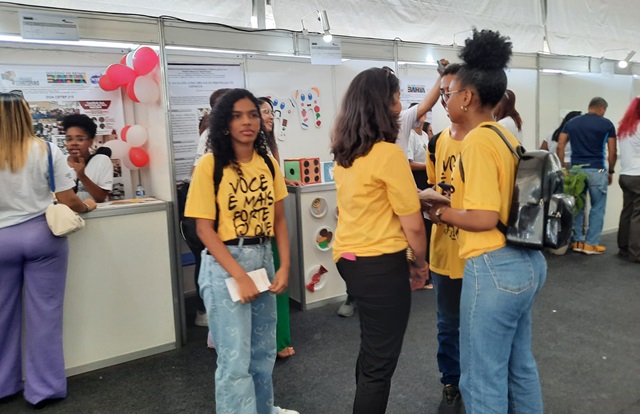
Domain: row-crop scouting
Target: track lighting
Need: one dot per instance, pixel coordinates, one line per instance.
(324, 21)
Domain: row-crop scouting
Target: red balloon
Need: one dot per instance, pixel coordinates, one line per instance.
(131, 91)
(107, 84)
(138, 157)
(120, 74)
(123, 133)
(123, 60)
(145, 60)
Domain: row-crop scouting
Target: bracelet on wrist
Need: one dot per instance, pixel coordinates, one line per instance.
(612, 171)
(86, 208)
(438, 214)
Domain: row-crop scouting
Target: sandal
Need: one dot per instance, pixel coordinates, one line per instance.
(287, 352)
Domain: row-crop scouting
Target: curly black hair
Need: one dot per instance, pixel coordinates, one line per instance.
(220, 143)
(485, 57)
(80, 121)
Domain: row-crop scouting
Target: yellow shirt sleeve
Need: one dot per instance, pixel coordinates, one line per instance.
(482, 190)
(201, 201)
(401, 188)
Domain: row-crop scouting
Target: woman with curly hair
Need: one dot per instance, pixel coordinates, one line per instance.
(379, 218)
(236, 218)
(629, 142)
(500, 282)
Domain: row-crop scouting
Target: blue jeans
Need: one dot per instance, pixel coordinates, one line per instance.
(597, 183)
(448, 299)
(244, 334)
(499, 373)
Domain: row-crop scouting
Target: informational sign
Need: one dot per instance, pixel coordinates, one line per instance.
(190, 87)
(48, 26)
(54, 92)
(414, 89)
(325, 53)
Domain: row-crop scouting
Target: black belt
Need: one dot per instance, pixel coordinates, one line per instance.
(248, 241)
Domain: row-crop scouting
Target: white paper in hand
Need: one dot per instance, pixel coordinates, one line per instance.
(259, 277)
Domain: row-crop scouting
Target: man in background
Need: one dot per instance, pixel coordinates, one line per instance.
(590, 135)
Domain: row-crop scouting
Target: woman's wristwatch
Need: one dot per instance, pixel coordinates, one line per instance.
(86, 207)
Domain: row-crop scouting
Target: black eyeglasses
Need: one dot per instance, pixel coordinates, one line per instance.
(446, 95)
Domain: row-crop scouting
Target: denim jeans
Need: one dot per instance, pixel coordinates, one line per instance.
(448, 299)
(244, 334)
(597, 183)
(499, 373)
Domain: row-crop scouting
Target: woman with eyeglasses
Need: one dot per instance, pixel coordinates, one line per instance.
(500, 282)
(33, 262)
(283, 327)
(93, 173)
(379, 219)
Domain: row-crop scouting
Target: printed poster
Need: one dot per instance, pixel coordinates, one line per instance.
(54, 92)
(190, 87)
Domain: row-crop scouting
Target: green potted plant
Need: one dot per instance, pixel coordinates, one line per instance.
(575, 182)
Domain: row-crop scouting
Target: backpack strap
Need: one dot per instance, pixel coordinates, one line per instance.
(432, 147)
(218, 171)
(501, 226)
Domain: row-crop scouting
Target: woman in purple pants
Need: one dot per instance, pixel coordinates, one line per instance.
(33, 262)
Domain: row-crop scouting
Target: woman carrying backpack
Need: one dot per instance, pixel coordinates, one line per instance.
(236, 219)
(500, 282)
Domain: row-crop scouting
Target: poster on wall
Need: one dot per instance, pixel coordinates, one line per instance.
(54, 92)
(414, 89)
(190, 87)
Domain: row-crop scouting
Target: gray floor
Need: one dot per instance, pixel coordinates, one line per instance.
(586, 340)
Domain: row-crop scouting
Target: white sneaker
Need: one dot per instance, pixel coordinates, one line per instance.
(284, 411)
(201, 319)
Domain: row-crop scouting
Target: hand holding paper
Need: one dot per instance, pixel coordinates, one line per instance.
(258, 277)
(431, 197)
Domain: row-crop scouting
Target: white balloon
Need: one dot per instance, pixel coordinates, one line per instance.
(137, 135)
(129, 60)
(126, 161)
(146, 89)
(119, 149)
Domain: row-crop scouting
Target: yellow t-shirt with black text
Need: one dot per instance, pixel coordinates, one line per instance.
(371, 194)
(489, 174)
(444, 257)
(247, 203)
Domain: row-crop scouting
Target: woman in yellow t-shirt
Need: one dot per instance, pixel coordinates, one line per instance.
(500, 282)
(379, 218)
(236, 224)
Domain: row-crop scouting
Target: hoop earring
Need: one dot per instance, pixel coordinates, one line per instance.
(225, 132)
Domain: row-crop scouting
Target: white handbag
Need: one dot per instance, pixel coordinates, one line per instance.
(61, 219)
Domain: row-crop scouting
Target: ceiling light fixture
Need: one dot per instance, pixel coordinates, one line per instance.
(324, 21)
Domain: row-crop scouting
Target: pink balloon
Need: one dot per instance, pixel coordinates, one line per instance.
(144, 90)
(144, 60)
(107, 84)
(131, 92)
(123, 132)
(120, 74)
(138, 157)
(123, 60)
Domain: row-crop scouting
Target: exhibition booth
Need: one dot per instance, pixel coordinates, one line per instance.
(129, 269)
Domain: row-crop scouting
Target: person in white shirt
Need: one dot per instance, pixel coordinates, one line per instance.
(93, 174)
(629, 142)
(201, 148)
(550, 143)
(417, 151)
(507, 116)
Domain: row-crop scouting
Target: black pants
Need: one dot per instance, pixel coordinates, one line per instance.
(188, 227)
(380, 286)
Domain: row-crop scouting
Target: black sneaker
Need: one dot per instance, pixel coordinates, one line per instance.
(451, 400)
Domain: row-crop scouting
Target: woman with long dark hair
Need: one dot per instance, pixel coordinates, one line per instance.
(500, 282)
(33, 262)
(236, 218)
(629, 142)
(379, 219)
(507, 115)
